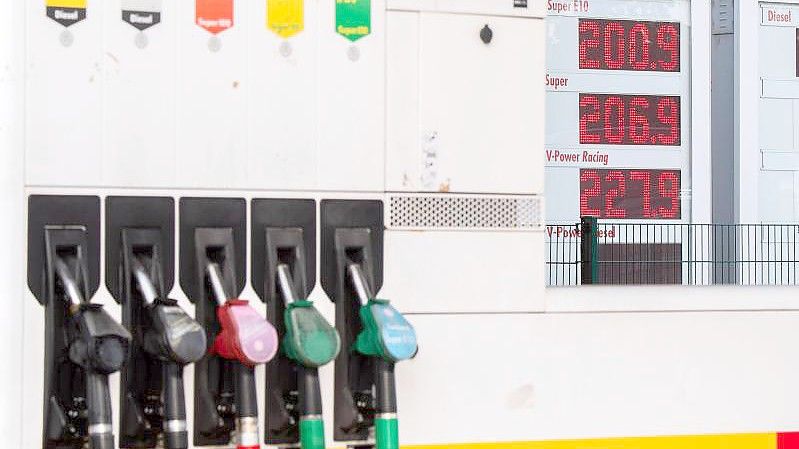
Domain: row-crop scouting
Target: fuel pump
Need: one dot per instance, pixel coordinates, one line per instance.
(212, 249)
(139, 261)
(375, 334)
(84, 345)
(283, 235)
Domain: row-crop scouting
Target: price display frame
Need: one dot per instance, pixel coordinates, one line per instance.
(609, 71)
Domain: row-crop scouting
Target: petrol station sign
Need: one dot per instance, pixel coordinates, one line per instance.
(618, 105)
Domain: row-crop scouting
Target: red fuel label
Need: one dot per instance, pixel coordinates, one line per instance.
(215, 16)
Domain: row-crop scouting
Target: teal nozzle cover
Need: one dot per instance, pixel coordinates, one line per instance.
(310, 340)
(386, 333)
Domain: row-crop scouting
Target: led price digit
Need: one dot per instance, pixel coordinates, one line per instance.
(629, 45)
(630, 194)
(629, 119)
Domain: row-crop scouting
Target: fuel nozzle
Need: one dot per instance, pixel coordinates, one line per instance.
(311, 342)
(177, 340)
(389, 338)
(386, 333)
(245, 337)
(99, 345)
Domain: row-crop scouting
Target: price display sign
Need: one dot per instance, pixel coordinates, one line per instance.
(618, 141)
(630, 194)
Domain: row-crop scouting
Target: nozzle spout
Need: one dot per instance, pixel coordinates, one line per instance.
(143, 281)
(286, 284)
(359, 283)
(217, 286)
(68, 281)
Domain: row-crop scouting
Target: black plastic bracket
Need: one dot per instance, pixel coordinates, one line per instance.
(142, 228)
(212, 230)
(352, 232)
(53, 210)
(283, 232)
(67, 228)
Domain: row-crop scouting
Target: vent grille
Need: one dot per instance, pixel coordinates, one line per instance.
(465, 212)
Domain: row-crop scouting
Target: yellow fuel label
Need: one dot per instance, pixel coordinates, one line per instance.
(285, 17)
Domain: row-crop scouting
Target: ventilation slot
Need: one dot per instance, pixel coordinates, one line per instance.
(452, 212)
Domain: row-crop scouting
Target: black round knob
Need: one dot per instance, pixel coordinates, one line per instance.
(486, 34)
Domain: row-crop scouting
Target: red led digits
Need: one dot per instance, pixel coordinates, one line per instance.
(590, 188)
(628, 45)
(590, 119)
(615, 115)
(645, 178)
(639, 121)
(589, 44)
(668, 38)
(629, 120)
(639, 47)
(669, 115)
(619, 191)
(615, 46)
(630, 194)
(669, 188)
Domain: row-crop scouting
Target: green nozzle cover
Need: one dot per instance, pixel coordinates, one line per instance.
(310, 340)
(312, 433)
(386, 333)
(387, 433)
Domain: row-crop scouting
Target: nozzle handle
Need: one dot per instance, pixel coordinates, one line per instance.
(98, 404)
(176, 433)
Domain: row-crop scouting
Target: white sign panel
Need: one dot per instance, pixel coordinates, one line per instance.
(778, 175)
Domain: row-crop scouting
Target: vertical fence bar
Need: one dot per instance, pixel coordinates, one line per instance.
(589, 249)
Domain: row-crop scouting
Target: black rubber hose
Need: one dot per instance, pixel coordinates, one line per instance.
(386, 387)
(176, 435)
(98, 403)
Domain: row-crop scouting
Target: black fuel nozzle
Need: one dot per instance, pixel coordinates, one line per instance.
(177, 340)
(99, 345)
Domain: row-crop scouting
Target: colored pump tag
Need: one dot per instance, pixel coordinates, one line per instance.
(66, 12)
(285, 17)
(141, 14)
(215, 16)
(310, 340)
(386, 333)
(353, 18)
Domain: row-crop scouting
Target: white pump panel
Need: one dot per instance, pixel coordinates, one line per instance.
(464, 110)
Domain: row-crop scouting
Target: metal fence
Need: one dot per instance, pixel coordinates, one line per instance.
(682, 254)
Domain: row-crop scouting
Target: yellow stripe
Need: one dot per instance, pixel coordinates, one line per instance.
(66, 3)
(742, 441)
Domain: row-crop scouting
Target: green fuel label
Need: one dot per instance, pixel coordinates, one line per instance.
(353, 18)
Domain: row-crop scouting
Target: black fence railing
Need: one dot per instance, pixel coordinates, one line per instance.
(681, 254)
